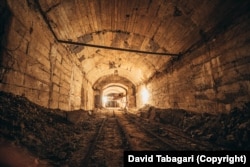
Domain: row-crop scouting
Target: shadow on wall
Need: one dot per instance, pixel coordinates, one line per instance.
(5, 20)
(231, 130)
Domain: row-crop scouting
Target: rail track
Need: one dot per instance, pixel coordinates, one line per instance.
(108, 145)
(173, 136)
(140, 138)
(120, 132)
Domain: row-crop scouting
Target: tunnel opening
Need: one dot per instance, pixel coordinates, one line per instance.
(114, 91)
(114, 97)
(59, 75)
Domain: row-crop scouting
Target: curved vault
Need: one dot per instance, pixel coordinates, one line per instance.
(114, 96)
(136, 25)
(114, 85)
(137, 67)
(157, 26)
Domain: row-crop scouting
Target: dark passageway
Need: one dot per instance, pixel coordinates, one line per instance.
(82, 81)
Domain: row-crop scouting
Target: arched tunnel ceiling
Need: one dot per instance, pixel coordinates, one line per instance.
(112, 80)
(114, 90)
(162, 26)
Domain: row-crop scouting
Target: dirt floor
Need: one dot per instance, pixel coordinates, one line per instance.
(229, 130)
(32, 135)
(50, 137)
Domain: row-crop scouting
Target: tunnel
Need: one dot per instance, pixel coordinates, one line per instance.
(168, 66)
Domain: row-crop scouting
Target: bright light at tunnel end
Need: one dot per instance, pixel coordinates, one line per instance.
(104, 99)
(144, 95)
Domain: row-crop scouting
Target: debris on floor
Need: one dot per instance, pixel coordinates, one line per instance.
(52, 135)
(231, 130)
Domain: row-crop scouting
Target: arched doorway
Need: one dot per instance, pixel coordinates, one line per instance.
(116, 90)
(114, 96)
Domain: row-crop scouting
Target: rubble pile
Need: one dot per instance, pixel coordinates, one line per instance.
(51, 135)
(228, 130)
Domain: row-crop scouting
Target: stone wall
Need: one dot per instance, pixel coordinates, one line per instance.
(34, 65)
(213, 77)
(113, 80)
(87, 100)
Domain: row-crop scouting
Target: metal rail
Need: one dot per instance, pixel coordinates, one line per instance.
(174, 133)
(124, 137)
(170, 145)
(92, 146)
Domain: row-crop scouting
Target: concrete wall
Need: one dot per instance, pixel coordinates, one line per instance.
(34, 65)
(212, 78)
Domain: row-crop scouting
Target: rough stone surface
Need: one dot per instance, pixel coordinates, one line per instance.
(33, 65)
(212, 78)
(104, 82)
(53, 137)
(210, 75)
(154, 26)
(229, 130)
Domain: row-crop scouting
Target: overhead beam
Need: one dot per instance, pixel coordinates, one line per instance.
(92, 45)
(114, 48)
